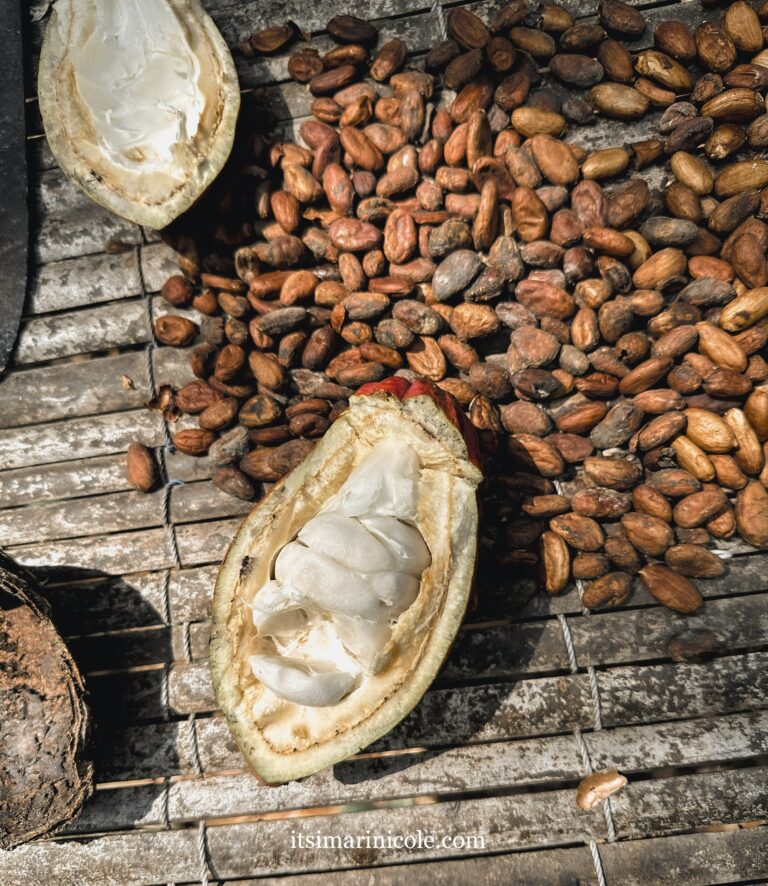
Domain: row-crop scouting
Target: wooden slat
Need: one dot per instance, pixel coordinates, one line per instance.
(454, 771)
(122, 324)
(499, 652)
(521, 821)
(661, 806)
(120, 860)
(739, 624)
(444, 716)
(629, 695)
(508, 822)
(78, 438)
(119, 552)
(101, 277)
(62, 480)
(516, 649)
(735, 737)
(158, 262)
(123, 552)
(80, 232)
(551, 866)
(108, 603)
(115, 513)
(90, 387)
(89, 476)
(695, 859)
(499, 766)
(164, 749)
(701, 859)
(661, 692)
(56, 193)
(82, 281)
(73, 389)
(118, 325)
(191, 591)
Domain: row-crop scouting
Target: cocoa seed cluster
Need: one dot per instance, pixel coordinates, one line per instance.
(606, 339)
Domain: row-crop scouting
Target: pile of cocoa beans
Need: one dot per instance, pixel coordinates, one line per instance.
(433, 219)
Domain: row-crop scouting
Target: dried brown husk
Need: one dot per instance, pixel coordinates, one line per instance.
(44, 722)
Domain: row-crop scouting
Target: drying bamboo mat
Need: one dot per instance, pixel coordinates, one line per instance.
(534, 694)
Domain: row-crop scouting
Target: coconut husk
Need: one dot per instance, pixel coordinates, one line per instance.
(44, 774)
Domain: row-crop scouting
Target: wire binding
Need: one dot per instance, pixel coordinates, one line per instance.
(437, 9)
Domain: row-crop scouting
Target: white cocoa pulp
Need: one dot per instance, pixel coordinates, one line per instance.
(325, 618)
(136, 73)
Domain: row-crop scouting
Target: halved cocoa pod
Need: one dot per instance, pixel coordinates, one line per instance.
(384, 560)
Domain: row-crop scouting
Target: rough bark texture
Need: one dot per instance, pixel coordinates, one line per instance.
(44, 778)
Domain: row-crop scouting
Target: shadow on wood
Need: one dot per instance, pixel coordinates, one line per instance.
(83, 601)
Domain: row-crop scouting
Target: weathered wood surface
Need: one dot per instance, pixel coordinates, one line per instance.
(79, 438)
(87, 387)
(501, 765)
(701, 859)
(497, 652)
(164, 749)
(105, 602)
(499, 719)
(259, 848)
(632, 694)
(83, 281)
